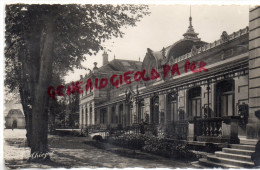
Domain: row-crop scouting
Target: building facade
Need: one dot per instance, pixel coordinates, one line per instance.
(199, 91)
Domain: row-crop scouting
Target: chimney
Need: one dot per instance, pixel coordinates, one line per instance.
(105, 58)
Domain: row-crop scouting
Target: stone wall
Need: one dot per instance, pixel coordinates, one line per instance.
(253, 125)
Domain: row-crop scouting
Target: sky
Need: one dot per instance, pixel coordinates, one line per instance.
(164, 26)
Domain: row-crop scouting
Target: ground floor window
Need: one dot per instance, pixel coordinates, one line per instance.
(194, 102)
(172, 107)
(103, 116)
(225, 98)
(120, 116)
(113, 115)
(141, 111)
(155, 109)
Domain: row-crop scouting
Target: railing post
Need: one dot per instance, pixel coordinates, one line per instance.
(191, 129)
(230, 129)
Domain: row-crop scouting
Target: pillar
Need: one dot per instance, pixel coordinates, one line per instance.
(93, 113)
(84, 116)
(88, 115)
(134, 112)
(80, 116)
(117, 113)
(124, 115)
(108, 114)
(253, 126)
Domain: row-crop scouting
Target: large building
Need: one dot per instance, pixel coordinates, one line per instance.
(208, 92)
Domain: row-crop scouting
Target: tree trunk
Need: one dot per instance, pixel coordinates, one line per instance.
(30, 70)
(27, 114)
(39, 147)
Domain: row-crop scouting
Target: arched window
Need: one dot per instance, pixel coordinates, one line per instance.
(194, 102)
(225, 98)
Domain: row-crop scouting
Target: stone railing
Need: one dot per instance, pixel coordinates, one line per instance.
(218, 129)
(208, 46)
(209, 127)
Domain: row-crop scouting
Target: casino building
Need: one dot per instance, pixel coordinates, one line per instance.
(220, 105)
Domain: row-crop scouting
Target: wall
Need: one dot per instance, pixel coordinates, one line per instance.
(253, 126)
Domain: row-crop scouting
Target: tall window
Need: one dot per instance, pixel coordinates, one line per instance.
(120, 116)
(141, 110)
(225, 98)
(103, 118)
(155, 109)
(112, 115)
(194, 102)
(172, 107)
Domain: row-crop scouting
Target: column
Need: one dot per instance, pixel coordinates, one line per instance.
(88, 115)
(117, 113)
(165, 108)
(108, 115)
(135, 105)
(93, 113)
(84, 116)
(253, 126)
(124, 115)
(80, 116)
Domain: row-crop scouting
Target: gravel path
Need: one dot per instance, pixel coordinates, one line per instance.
(71, 152)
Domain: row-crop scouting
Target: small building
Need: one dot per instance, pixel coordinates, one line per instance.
(15, 119)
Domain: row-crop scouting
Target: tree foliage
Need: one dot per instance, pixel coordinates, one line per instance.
(44, 42)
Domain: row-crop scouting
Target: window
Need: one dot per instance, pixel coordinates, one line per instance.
(103, 118)
(155, 110)
(172, 107)
(112, 115)
(194, 102)
(225, 98)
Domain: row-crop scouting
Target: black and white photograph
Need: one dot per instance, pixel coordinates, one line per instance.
(130, 85)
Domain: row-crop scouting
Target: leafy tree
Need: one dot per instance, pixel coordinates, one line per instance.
(47, 40)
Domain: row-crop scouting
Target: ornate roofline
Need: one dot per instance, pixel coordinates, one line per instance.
(224, 38)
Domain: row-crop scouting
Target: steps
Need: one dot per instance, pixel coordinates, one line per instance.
(237, 156)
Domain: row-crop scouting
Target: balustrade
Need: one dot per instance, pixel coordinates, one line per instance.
(218, 129)
(209, 127)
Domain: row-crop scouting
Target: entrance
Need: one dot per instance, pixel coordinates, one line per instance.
(14, 125)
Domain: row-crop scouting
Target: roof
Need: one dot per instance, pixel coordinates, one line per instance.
(15, 113)
(121, 65)
(178, 48)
